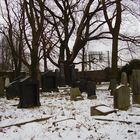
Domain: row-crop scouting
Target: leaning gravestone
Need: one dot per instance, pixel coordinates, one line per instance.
(122, 97)
(1, 86)
(136, 86)
(75, 94)
(124, 78)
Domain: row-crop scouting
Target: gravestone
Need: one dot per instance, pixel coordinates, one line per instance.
(75, 94)
(122, 97)
(91, 90)
(12, 90)
(48, 81)
(1, 86)
(136, 86)
(124, 78)
(101, 110)
(29, 93)
(7, 82)
(83, 85)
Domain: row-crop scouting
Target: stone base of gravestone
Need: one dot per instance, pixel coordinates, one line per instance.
(75, 94)
(91, 89)
(2, 86)
(122, 97)
(101, 110)
(136, 99)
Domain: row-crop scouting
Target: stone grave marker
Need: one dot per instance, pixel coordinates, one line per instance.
(1, 86)
(122, 97)
(136, 86)
(48, 81)
(124, 78)
(12, 90)
(75, 94)
(29, 93)
(101, 110)
(91, 90)
(7, 82)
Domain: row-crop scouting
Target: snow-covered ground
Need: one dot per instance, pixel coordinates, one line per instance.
(70, 120)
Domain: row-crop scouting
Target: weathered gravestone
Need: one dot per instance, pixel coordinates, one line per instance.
(124, 78)
(83, 85)
(101, 110)
(7, 82)
(75, 94)
(91, 90)
(122, 97)
(136, 86)
(2, 86)
(48, 81)
(12, 90)
(29, 93)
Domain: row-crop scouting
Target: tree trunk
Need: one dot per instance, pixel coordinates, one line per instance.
(114, 70)
(114, 57)
(68, 68)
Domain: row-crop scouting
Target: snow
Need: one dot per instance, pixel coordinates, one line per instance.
(104, 109)
(70, 120)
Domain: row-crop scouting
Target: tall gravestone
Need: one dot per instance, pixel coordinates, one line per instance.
(7, 82)
(136, 86)
(122, 97)
(2, 86)
(91, 90)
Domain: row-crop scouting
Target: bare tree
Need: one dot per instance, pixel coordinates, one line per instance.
(12, 29)
(74, 19)
(113, 23)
